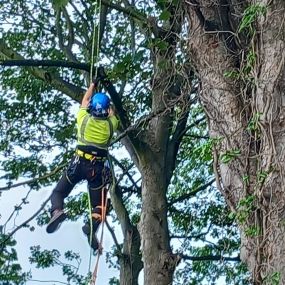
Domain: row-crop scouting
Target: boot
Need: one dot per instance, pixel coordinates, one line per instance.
(87, 231)
(57, 217)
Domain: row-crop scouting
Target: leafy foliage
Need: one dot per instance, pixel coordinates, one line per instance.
(10, 269)
(47, 258)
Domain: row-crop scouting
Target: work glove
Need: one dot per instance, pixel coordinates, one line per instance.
(101, 75)
(96, 80)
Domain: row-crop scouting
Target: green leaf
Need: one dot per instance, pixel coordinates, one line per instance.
(162, 45)
(59, 3)
(165, 15)
(229, 155)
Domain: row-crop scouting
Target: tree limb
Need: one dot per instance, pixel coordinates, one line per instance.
(175, 142)
(129, 11)
(52, 63)
(125, 171)
(24, 223)
(57, 82)
(207, 25)
(121, 211)
(53, 172)
(192, 193)
(116, 98)
(210, 258)
(113, 235)
(103, 22)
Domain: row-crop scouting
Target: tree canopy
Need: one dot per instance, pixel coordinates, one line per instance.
(177, 68)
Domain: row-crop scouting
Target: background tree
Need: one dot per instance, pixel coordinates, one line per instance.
(145, 56)
(242, 96)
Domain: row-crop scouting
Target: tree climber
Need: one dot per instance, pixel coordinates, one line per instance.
(96, 123)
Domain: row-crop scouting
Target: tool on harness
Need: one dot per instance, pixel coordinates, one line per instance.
(89, 156)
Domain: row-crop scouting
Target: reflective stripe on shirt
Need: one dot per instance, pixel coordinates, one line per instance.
(93, 131)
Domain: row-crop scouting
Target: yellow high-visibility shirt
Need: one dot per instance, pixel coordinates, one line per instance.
(93, 131)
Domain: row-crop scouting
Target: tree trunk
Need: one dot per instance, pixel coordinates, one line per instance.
(129, 258)
(246, 114)
(130, 262)
(159, 262)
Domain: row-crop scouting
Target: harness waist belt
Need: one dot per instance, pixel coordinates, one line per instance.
(89, 156)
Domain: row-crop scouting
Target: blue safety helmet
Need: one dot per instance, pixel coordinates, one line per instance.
(99, 105)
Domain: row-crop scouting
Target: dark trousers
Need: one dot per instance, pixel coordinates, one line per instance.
(96, 173)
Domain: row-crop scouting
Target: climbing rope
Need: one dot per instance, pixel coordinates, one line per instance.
(100, 248)
(94, 61)
(104, 211)
(95, 37)
(91, 230)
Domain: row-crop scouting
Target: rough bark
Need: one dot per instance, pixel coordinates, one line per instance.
(232, 106)
(129, 258)
(159, 262)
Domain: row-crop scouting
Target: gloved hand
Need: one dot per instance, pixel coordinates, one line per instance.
(96, 80)
(101, 75)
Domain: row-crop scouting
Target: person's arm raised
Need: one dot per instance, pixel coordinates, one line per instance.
(87, 95)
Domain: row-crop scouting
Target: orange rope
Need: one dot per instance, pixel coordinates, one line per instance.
(100, 248)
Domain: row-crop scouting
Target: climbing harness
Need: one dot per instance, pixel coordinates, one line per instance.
(89, 156)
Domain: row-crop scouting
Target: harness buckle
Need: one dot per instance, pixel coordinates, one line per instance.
(89, 156)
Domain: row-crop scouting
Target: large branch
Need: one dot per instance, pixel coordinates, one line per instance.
(116, 98)
(210, 258)
(33, 180)
(113, 235)
(192, 193)
(46, 62)
(121, 211)
(130, 141)
(58, 83)
(129, 11)
(131, 243)
(70, 38)
(103, 22)
(163, 81)
(175, 142)
(144, 22)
